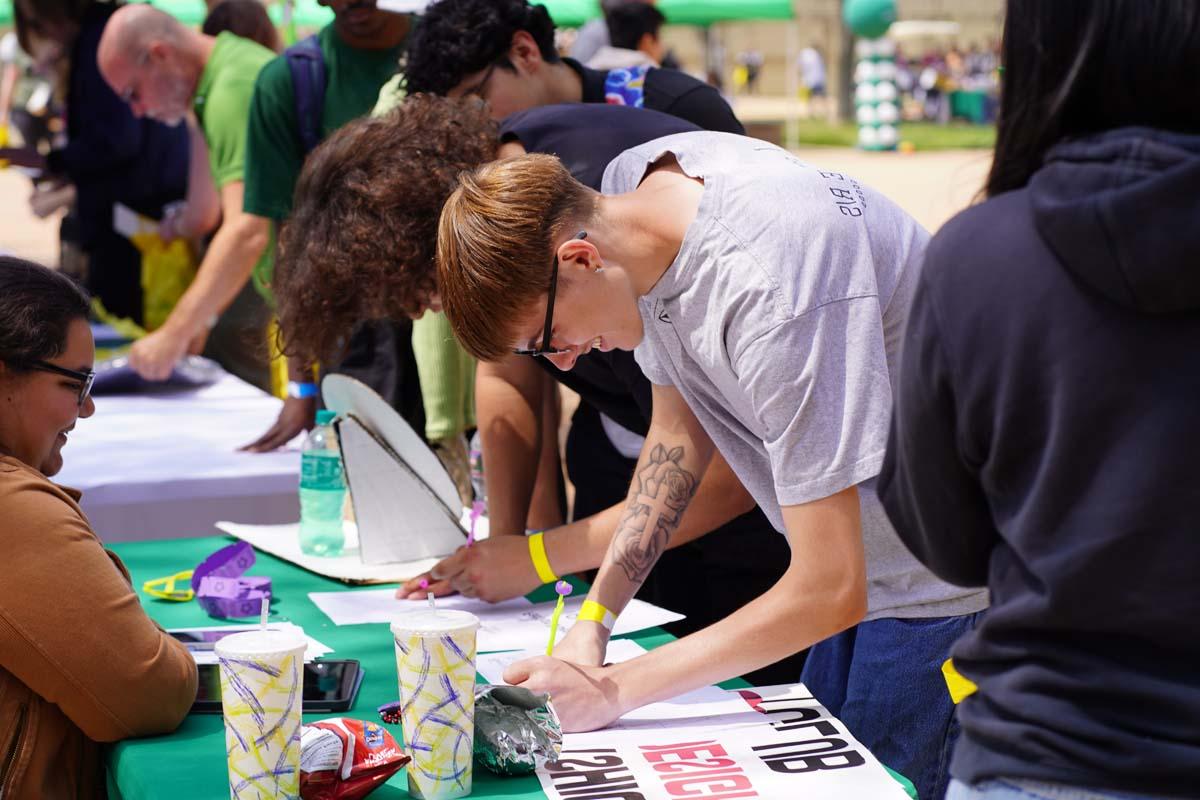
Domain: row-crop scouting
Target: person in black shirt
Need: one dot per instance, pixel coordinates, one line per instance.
(503, 51)
(393, 265)
(1046, 417)
(110, 156)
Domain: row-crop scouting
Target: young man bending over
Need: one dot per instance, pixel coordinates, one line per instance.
(366, 213)
(765, 299)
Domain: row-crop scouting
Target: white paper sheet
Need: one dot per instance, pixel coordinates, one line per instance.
(705, 702)
(283, 541)
(512, 625)
(314, 650)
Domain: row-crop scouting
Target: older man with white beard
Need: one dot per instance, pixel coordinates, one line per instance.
(164, 70)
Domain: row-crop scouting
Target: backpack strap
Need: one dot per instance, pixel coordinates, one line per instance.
(307, 66)
(626, 87)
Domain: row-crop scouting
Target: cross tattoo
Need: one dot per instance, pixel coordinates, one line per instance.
(657, 510)
(664, 489)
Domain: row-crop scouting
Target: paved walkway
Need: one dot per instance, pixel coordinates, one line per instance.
(931, 186)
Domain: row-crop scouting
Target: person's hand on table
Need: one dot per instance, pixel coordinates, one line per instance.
(418, 588)
(584, 644)
(585, 697)
(297, 415)
(154, 355)
(50, 197)
(196, 345)
(493, 569)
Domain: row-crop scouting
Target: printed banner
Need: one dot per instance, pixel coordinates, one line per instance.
(785, 745)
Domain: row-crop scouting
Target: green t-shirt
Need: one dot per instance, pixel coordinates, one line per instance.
(223, 103)
(222, 107)
(353, 78)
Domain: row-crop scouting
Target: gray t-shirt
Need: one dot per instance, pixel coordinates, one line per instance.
(780, 323)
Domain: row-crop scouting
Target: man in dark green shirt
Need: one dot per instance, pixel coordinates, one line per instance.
(361, 51)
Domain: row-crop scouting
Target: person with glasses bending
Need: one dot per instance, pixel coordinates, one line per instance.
(80, 662)
(727, 546)
(764, 299)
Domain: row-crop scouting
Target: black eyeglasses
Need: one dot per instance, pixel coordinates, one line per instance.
(546, 349)
(86, 379)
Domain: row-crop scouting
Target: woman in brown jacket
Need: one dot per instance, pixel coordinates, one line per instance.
(80, 662)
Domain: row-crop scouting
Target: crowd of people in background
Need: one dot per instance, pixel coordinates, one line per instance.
(927, 83)
(856, 455)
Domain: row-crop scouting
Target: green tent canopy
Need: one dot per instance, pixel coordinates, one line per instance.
(307, 14)
(566, 13)
(678, 12)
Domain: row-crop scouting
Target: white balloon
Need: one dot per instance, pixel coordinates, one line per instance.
(886, 112)
(868, 137)
(887, 135)
(885, 70)
(865, 71)
(885, 92)
(864, 48)
(885, 47)
(865, 93)
(866, 115)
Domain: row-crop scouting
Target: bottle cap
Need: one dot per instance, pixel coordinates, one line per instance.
(325, 416)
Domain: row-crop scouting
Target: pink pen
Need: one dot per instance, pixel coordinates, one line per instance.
(476, 513)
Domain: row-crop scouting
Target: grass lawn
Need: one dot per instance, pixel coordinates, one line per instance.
(923, 135)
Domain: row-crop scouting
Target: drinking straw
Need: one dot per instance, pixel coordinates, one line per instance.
(562, 588)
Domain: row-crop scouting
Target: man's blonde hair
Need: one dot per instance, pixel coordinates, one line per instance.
(496, 241)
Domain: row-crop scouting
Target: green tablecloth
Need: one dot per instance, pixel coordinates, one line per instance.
(190, 763)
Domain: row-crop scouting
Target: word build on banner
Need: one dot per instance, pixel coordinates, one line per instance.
(791, 748)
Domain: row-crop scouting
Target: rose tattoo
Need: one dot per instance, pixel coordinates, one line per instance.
(664, 489)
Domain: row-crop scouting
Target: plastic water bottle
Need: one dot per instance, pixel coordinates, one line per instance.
(322, 490)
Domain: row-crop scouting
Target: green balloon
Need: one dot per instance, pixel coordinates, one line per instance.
(869, 19)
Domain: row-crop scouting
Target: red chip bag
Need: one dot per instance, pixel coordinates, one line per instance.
(346, 759)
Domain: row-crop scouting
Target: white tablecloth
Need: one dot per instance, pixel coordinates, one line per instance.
(162, 466)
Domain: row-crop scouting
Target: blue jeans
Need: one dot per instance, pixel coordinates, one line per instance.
(1013, 789)
(883, 679)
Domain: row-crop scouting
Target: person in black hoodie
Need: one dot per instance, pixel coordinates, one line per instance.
(1048, 412)
(110, 156)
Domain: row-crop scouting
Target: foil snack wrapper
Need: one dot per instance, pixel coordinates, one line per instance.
(516, 731)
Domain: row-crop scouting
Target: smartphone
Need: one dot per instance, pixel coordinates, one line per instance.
(328, 686)
(199, 639)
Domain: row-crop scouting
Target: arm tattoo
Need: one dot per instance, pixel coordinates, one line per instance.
(663, 490)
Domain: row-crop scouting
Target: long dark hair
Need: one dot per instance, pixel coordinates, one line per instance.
(1076, 67)
(29, 27)
(245, 18)
(37, 305)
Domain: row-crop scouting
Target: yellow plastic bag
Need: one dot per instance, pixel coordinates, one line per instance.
(167, 270)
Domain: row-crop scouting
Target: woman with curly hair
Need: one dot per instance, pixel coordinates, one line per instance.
(345, 254)
(366, 215)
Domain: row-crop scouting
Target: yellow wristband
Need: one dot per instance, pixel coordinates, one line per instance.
(537, 553)
(591, 611)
